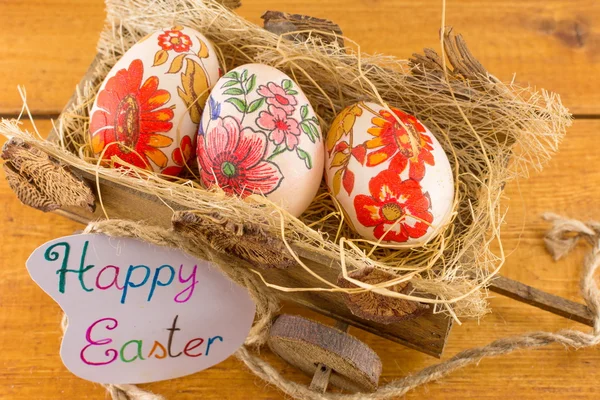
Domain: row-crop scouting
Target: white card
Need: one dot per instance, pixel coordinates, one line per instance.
(139, 312)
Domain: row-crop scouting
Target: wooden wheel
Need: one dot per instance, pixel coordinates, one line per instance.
(327, 353)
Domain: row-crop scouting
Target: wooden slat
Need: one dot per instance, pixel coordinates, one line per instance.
(554, 44)
(30, 366)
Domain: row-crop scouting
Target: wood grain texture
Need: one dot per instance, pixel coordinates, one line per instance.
(30, 366)
(554, 44)
(543, 300)
(309, 345)
(47, 47)
(320, 379)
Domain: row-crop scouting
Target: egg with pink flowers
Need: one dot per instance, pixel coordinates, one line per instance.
(389, 174)
(260, 135)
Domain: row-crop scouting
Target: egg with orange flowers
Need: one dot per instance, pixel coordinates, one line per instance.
(149, 106)
(389, 174)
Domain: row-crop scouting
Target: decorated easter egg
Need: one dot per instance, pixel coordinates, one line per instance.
(149, 106)
(259, 134)
(389, 174)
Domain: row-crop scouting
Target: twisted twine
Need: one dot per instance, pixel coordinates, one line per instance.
(560, 240)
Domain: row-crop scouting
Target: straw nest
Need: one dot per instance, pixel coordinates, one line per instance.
(491, 131)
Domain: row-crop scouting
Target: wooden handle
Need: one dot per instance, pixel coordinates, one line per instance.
(540, 299)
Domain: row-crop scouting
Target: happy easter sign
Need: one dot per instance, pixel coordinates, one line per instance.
(138, 312)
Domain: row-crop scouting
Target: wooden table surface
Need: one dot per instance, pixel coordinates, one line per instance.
(555, 44)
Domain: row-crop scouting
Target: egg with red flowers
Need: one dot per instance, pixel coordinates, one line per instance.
(389, 174)
(260, 135)
(148, 108)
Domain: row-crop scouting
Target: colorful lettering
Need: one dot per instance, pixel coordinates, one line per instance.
(138, 353)
(157, 282)
(189, 347)
(172, 331)
(112, 353)
(190, 288)
(108, 277)
(193, 348)
(129, 284)
(52, 255)
(158, 344)
(114, 281)
(210, 341)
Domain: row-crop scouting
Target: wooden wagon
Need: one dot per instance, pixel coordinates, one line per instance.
(353, 366)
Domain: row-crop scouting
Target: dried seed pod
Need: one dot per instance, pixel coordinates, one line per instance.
(376, 307)
(246, 241)
(302, 27)
(41, 181)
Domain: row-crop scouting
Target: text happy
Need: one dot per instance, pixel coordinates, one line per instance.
(120, 278)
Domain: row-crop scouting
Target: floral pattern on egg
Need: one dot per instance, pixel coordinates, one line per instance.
(389, 174)
(260, 135)
(140, 114)
(234, 159)
(150, 104)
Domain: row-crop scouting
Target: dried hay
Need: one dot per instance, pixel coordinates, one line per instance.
(481, 122)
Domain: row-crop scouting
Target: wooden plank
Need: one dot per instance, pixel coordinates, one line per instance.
(528, 37)
(47, 47)
(30, 366)
(552, 44)
(540, 299)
